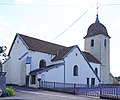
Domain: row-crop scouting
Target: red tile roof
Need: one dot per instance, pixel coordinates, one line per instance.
(40, 45)
(61, 53)
(91, 58)
(50, 48)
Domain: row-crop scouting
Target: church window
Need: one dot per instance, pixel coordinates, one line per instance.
(105, 42)
(96, 71)
(33, 79)
(42, 64)
(75, 70)
(76, 54)
(27, 80)
(92, 81)
(88, 81)
(92, 43)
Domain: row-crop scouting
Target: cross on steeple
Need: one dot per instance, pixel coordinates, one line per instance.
(97, 7)
(97, 19)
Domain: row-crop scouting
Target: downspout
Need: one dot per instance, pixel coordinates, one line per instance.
(64, 72)
(101, 62)
(101, 73)
(30, 66)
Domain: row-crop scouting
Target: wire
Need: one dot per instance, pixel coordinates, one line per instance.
(7, 3)
(73, 22)
(111, 4)
(13, 4)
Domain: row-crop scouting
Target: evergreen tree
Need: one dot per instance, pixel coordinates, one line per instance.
(118, 78)
(2, 55)
(2, 52)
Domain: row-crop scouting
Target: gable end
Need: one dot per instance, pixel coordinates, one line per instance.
(17, 35)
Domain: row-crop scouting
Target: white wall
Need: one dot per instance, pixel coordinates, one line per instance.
(101, 52)
(16, 66)
(23, 71)
(96, 49)
(50, 76)
(53, 75)
(84, 71)
(98, 66)
(38, 56)
(57, 74)
(6, 68)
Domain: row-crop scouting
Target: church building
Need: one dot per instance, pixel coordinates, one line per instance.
(97, 43)
(32, 60)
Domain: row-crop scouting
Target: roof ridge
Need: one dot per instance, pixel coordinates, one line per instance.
(41, 40)
(35, 44)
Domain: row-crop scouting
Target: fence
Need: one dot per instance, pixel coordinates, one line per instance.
(111, 91)
(77, 89)
(103, 90)
(67, 87)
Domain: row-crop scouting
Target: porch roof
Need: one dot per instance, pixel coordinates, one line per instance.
(41, 70)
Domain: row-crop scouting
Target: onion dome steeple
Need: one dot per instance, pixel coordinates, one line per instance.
(96, 29)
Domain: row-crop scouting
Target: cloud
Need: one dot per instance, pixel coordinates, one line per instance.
(24, 1)
(84, 3)
(43, 32)
(4, 24)
(5, 28)
(115, 26)
(22, 28)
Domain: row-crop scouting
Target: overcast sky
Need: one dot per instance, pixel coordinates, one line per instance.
(45, 19)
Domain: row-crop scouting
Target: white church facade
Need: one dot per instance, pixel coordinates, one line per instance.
(32, 60)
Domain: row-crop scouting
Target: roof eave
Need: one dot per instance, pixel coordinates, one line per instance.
(46, 69)
(22, 41)
(17, 35)
(71, 50)
(57, 59)
(90, 66)
(87, 36)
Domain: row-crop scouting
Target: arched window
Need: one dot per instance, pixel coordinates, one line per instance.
(96, 71)
(75, 70)
(92, 43)
(42, 64)
(105, 42)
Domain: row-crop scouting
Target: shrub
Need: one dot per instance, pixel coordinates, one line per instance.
(9, 92)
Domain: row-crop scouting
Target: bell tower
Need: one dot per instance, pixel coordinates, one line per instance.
(97, 42)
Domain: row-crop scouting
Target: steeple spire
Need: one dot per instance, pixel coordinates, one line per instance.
(97, 19)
